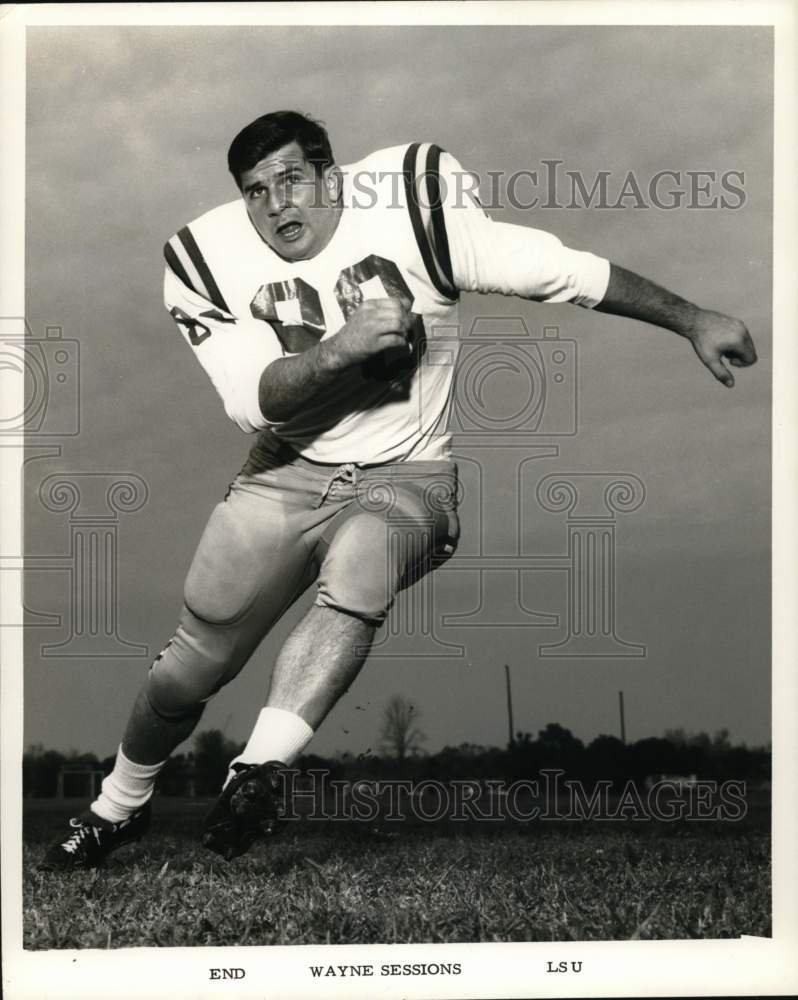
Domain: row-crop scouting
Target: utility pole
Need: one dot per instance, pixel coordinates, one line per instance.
(511, 729)
(623, 718)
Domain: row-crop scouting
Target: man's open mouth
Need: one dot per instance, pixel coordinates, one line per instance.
(289, 230)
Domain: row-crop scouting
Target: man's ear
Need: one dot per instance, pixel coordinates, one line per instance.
(334, 182)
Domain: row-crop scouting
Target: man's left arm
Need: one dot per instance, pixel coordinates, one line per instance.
(716, 338)
(490, 256)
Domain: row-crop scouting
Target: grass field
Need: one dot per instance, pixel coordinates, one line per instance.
(329, 884)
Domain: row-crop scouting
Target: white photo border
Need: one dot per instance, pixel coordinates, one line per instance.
(674, 968)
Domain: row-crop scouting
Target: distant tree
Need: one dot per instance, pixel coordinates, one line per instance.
(400, 735)
(557, 747)
(40, 769)
(678, 737)
(655, 756)
(558, 739)
(609, 746)
(700, 742)
(606, 759)
(465, 761)
(176, 774)
(720, 742)
(212, 755)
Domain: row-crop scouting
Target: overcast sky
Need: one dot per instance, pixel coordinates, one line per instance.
(128, 130)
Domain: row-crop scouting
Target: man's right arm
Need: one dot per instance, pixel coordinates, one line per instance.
(290, 383)
(258, 384)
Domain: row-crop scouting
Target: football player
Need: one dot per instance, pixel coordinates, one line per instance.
(323, 303)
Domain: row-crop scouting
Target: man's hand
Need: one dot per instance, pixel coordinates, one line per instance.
(714, 336)
(289, 384)
(375, 326)
(718, 338)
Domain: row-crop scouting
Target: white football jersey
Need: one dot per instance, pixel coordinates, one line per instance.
(410, 227)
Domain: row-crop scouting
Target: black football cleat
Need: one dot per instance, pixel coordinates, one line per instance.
(92, 839)
(248, 808)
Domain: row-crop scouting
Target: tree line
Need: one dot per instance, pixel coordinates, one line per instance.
(201, 770)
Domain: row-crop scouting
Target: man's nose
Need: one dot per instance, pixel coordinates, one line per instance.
(276, 202)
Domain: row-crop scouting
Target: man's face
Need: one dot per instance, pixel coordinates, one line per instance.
(294, 209)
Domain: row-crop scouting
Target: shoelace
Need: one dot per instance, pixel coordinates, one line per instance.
(72, 843)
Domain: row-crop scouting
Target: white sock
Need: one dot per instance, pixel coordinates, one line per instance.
(126, 789)
(278, 735)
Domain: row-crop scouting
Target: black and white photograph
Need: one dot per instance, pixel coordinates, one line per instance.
(397, 526)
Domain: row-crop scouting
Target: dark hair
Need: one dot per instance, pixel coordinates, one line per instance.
(273, 131)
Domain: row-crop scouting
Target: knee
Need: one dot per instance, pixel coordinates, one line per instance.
(191, 668)
(174, 692)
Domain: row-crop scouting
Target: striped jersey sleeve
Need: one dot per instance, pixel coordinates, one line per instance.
(465, 250)
(185, 259)
(233, 351)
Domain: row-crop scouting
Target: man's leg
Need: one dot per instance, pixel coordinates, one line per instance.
(318, 662)
(194, 664)
(369, 558)
(147, 744)
(249, 567)
(150, 737)
(251, 564)
(199, 659)
(370, 555)
(316, 665)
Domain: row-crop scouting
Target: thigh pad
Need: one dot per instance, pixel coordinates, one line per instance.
(248, 545)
